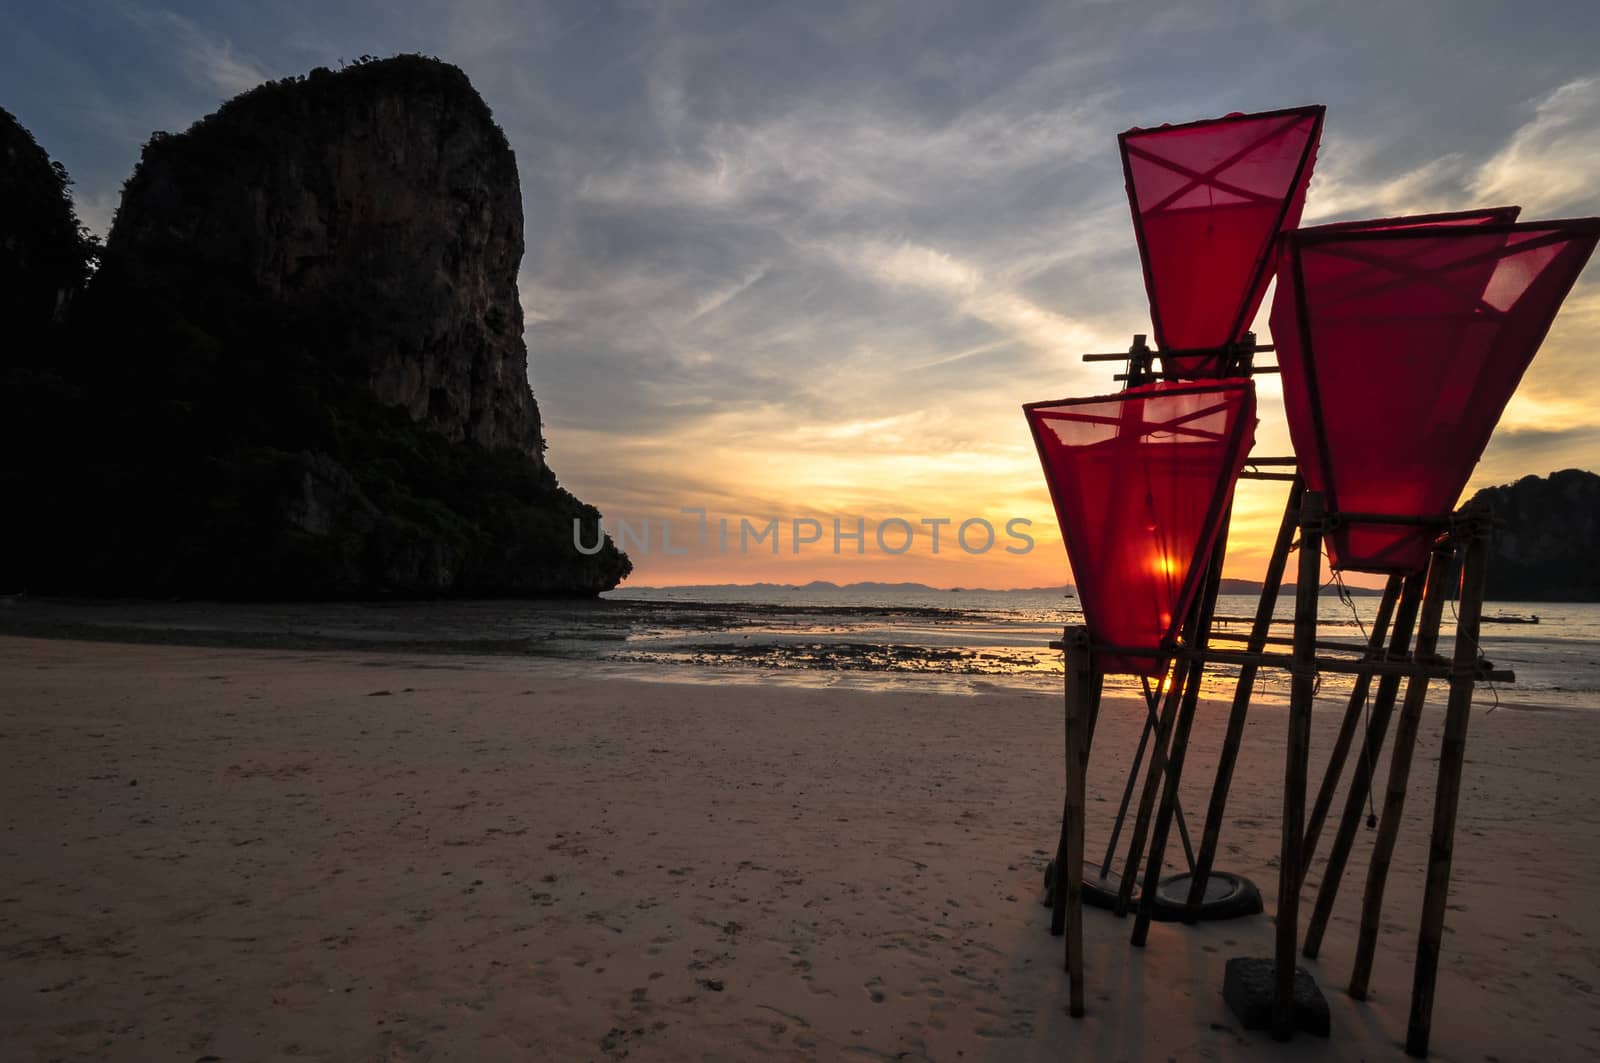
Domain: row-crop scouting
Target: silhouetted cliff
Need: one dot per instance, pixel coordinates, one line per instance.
(44, 252)
(1549, 547)
(299, 370)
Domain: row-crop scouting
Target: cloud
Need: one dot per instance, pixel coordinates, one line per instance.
(1550, 162)
(1545, 165)
(789, 257)
(1337, 194)
(208, 59)
(969, 290)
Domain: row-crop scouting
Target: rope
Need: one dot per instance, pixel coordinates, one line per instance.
(1477, 650)
(1366, 702)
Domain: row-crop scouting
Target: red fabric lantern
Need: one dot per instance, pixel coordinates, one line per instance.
(1400, 344)
(1482, 216)
(1209, 200)
(1140, 482)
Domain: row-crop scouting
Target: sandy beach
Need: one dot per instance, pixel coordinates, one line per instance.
(245, 854)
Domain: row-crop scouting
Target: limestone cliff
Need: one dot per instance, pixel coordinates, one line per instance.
(299, 370)
(1548, 545)
(385, 193)
(43, 252)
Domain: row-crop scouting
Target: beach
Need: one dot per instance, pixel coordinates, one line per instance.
(238, 854)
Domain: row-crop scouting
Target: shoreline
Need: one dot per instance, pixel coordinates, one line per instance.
(956, 652)
(261, 853)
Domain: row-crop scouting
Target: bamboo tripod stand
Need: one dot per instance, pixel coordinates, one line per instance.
(1384, 657)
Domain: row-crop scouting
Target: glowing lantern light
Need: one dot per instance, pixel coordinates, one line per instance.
(1401, 341)
(1140, 481)
(1209, 199)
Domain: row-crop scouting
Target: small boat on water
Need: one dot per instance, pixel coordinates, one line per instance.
(1508, 618)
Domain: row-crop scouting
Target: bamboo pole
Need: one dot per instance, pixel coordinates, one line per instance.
(1452, 757)
(1087, 692)
(1288, 640)
(1429, 665)
(1150, 699)
(1347, 726)
(1152, 782)
(1180, 744)
(1301, 691)
(1080, 708)
(1096, 685)
(1058, 889)
(1394, 801)
(1405, 622)
(1229, 755)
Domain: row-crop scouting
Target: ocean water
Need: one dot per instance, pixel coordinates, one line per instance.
(956, 641)
(977, 639)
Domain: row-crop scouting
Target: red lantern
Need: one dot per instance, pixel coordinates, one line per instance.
(1401, 342)
(1209, 200)
(1140, 482)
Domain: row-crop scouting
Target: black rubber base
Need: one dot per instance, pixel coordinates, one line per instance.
(1098, 891)
(1248, 987)
(1227, 897)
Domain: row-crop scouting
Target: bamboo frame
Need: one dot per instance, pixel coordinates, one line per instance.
(1447, 796)
(1409, 605)
(1394, 801)
(1151, 699)
(1182, 669)
(1302, 689)
(1412, 605)
(1234, 737)
(1361, 783)
(1180, 741)
(1352, 719)
(1426, 665)
(1080, 710)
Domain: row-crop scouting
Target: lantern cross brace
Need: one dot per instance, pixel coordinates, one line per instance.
(1174, 426)
(1433, 275)
(1209, 177)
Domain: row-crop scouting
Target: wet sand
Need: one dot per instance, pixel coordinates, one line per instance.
(245, 854)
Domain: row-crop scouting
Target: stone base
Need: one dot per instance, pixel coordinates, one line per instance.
(1248, 988)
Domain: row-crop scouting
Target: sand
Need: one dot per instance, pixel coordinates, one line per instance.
(252, 854)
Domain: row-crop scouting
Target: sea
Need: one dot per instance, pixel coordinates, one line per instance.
(874, 636)
(974, 640)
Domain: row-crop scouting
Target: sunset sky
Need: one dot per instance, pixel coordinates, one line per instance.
(807, 260)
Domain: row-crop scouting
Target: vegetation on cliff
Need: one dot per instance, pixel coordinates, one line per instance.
(45, 253)
(1547, 545)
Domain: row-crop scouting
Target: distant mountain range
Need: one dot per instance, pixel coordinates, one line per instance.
(823, 585)
(1229, 586)
(1546, 548)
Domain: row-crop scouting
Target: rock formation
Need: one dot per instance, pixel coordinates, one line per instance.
(384, 193)
(1548, 547)
(299, 370)
(43, 251)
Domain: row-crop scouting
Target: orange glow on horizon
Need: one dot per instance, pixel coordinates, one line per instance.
(967, 455)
